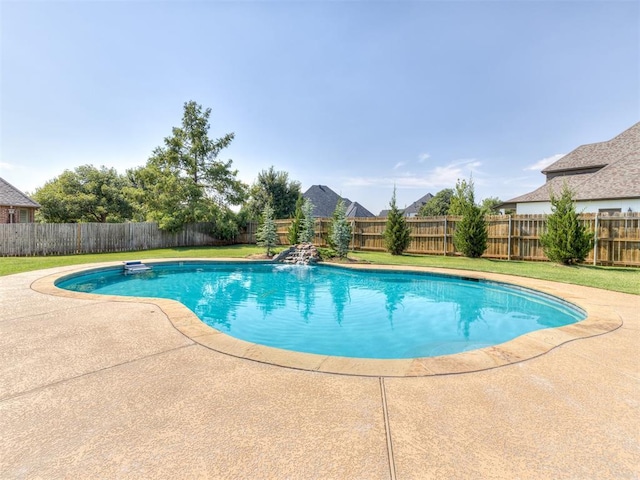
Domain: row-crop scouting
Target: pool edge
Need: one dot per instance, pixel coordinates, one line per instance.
(600, 320)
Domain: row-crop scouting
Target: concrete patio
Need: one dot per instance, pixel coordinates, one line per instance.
(97, 388)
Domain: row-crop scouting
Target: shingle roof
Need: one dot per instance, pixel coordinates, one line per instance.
(357, 210)
(414, 208)
(11, 196)
(599, 154)
(618, 178)
(325, 200)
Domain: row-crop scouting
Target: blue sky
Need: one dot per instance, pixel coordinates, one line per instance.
(357, 95)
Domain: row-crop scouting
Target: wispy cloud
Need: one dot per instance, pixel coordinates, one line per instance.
(439, 177)
(6, 166)
(399, 164)
(545, 162)
(423, 157)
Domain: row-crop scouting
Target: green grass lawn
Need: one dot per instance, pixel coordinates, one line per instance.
(619, 279)
(610, 278)
(9, 265)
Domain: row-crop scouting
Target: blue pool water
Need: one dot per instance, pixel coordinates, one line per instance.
(336, 311)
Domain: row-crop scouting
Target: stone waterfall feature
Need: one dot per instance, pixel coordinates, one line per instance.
(302, 254)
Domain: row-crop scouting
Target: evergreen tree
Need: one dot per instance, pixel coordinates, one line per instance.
(340, 230)
(296, 223)
(566, 239)
(266, 234)
(307, 233)
(396, 233)
(470, 236)
(184, 181)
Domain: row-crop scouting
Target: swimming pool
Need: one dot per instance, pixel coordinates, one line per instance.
(335, 311)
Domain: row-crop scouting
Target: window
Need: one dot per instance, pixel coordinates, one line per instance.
(24, 215)
(609, 211)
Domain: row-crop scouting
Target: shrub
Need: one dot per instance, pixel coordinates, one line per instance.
(307, 232)
(296, 223)
(396, 232)
(566, 239)
(266, 235)
(470, 236)
(340, 230)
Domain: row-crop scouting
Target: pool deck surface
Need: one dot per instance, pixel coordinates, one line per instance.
(101, 387)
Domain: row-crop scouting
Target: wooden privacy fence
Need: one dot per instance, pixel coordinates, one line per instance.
(24, 239)
(511, 237)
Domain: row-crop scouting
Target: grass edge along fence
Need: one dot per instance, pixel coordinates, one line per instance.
(511, 237)
(43, 239)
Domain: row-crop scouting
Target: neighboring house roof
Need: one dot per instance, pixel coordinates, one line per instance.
(598, 171)
(415, 207)
(412, 209)
(325, 200)
(357, 210)
(12, 197)
(599, 154)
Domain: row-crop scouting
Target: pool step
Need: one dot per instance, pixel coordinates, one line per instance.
(135, 266)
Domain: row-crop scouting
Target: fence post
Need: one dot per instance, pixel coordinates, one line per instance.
(595, 242)
(509, 241)
(445, 236)
(78, 238)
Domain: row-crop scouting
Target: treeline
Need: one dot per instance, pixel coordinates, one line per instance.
(183, 182)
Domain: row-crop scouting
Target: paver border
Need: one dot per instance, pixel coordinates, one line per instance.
(599, 321)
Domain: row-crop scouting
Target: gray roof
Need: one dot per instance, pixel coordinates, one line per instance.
(357, 210)
(599, 154)
(619, 176)
(415, 207)
(12, 197)
(325, 200)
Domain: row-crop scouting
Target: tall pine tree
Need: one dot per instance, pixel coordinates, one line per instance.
(307, 232)
(267, 235)
(396, 233)
(340, 230)
(470, 236)
(296, 223)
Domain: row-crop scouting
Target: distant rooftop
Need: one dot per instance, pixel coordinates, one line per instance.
(325, 200)
(597, 171)
(12, 197)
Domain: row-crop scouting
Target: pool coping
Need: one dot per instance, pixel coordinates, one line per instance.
(599, 321)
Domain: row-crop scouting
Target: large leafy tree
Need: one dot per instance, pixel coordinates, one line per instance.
(470, 236)
(396, 233)
(566, 239)
(273, 187)
(340, 230)
(462, 197)
(438, 205)
(86, 194)
(184, 181)
(490, 205)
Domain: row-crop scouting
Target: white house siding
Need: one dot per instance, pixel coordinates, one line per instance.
(585, 206)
